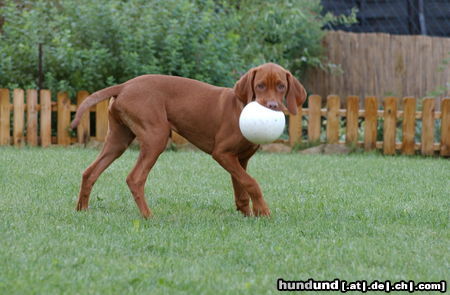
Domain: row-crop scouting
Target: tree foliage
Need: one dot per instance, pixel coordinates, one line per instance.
(92, 44)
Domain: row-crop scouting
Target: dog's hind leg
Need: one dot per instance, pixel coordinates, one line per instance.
(117, 140)
(153, 141)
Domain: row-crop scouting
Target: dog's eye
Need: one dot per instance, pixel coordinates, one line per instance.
(281, 87)
(261, 86)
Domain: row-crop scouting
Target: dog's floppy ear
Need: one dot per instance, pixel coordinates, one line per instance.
(244, 88)
(296, 94)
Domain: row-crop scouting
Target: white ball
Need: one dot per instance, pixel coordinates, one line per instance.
(259, 124)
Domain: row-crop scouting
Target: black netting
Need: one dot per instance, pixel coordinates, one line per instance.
(409, 17)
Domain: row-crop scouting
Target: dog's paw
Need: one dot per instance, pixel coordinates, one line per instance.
(146, 213)
(262, 211)
(81, 206)
(245, 210)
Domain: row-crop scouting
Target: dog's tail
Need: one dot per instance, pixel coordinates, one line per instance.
(94, 99)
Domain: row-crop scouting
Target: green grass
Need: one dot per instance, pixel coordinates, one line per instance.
(349, 217)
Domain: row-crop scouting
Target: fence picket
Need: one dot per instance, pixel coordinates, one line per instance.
(428, 126)
(32, 115)
(314, 104)
(63, 103)
(18, 123)
(445, 127)
(333, 103)
(295, 127)
(370, 123)
(5, 138)
(178, 139)
(46, 117)
(409, 125)
(84, 128)
(101, 120)
(389, 125)
(352, 120)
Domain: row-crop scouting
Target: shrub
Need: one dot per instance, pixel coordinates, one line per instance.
(284, 31)
(93, 44)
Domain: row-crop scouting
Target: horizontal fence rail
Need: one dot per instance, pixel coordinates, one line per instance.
(332, 124)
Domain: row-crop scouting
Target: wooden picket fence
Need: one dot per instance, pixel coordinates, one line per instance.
(370, 115)
(63, 109)
(26, 131)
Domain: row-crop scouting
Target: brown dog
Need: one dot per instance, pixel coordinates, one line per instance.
(149, 107)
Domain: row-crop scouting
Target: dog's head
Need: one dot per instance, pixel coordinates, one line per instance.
(269, 84)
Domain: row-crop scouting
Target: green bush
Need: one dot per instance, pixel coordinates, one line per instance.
(92, 44)
(284, 31)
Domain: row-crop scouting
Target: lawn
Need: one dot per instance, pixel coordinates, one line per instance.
(358, 217)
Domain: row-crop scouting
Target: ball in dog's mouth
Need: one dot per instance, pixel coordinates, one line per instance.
(259, 124)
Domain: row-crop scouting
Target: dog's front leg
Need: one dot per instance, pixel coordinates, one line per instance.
(241, 198)
(231, 163)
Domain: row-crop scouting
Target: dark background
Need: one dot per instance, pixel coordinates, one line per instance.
(407, 17)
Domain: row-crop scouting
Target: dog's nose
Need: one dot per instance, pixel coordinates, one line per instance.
(272, 105)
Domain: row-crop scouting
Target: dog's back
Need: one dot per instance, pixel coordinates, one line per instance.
(194, 109)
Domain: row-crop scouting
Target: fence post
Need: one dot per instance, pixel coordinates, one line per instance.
(428, 126)
(46, 117)
(63, 103)
(178, 139)
(445, 127)
(370, 123)
(390, 125)
(351, 135)
(409, 125)
(84, 128)
(18, 107)
(32, 137)
(333, 103)
(314, 105)
(295, 127)
(101, 120)
(4, 117)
